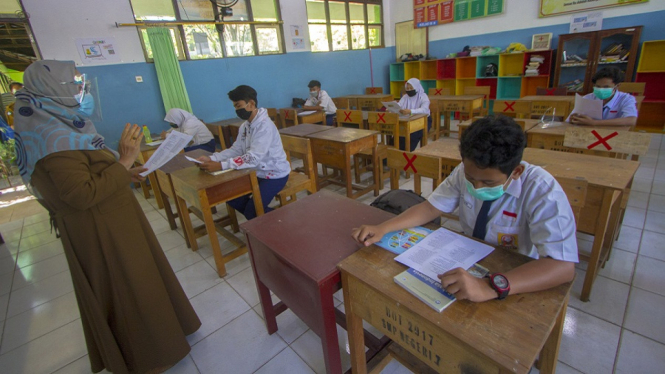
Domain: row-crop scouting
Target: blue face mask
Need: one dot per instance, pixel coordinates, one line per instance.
(87, 105)
(486, 193)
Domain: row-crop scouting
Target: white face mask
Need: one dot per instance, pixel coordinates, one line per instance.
(313, 93)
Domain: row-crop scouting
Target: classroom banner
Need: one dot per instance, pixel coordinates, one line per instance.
(549, 8)
(438, 12)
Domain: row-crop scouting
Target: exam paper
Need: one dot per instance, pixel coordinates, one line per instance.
(588, 107)
(173, 144)
(444, 250)
(306, 112)
(392, 106)
(193, 160)
(155, 143)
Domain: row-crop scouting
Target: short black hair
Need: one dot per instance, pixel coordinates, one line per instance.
(19, 84)
(243, 93)
(314, 83)
(495, 142)
(612, 72)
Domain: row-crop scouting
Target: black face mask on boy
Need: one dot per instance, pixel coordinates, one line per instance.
(243, 114)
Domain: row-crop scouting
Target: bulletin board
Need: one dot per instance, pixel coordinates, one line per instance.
(549, 8)
(428, 13)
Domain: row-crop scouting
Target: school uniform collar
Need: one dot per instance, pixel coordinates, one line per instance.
(515, 187)
(613, 101)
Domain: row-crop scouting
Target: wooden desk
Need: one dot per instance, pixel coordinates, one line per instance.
(497, 336)
(294, 252)
(412, 124)
(304, 130)
(204, 191)
(335, 147)
(317, 117)
(608, 179)
(371, 102)
(144, 154)
(465, 104)
(540, 103)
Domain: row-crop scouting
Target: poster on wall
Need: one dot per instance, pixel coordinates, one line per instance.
(549, 8)
(97, 50)
(428, 13)
(586, 22)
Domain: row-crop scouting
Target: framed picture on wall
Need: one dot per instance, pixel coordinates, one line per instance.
(541, 42)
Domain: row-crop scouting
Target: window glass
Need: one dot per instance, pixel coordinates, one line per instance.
(316, 11)
(373, 13)
(264, 10)
(153, 10)
(195, 10)
(318, 36)
(374, 36)
(268, 40)
(357, 12)
(337, 12)
(340, 37)
(358, 37)
(203, 41)
(238, 40)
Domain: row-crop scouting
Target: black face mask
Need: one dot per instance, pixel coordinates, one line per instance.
(242, 113)
(411, 93)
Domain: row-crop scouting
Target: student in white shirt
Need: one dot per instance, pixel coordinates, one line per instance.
(320, 100)
(619, 108)
(257, 147)
(415, 101)
(528, 212)
(187, 123)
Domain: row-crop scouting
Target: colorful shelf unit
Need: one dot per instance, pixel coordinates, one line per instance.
(460, 72)
(651, 70)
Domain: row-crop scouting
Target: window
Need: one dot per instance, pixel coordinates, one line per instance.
(339, 25)
(193, 41)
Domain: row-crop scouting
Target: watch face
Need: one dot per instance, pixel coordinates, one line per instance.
(500, 281)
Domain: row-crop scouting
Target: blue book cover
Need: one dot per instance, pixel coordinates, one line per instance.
(399, 241)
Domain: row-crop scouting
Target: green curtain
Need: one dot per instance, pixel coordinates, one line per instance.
(169, 75)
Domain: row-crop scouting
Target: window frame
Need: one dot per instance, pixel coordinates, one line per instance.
(184, 53)
(348, 24)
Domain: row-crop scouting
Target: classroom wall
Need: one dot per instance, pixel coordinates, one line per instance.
(277, 78)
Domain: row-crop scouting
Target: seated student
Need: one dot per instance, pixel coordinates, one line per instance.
(187, 123)
(503, 201)
(415, 101)
(320, 100)
(257, 147)
(619, 108)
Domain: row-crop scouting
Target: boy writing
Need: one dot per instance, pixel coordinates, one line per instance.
(505, 202)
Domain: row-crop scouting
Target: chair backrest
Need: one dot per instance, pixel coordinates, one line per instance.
(289, 117)
(233, 133)
(633, 88)
(638, 102)
(373, 90)
(556, 91)
(274, 116)
(385, 123)
(419, 165)
(346, 117)
(512, 108)
(576, 190)
(443, 91)
(607, 140)
(301, 147)
(479, 90)
(218, 133)
(341, 102)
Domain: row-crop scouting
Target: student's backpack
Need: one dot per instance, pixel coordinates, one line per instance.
(397, 201)
(297, 102)
(491, 70)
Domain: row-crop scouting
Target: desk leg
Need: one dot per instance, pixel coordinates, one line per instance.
(329, 340)
(446, 124)
(354, 329)
(598, 242)
(347, 173)
(154, 184)
(550, 353)
(256, 194)
(170, 217)
(377, 170)
(186, 222)
(212, 234)
(423, 142)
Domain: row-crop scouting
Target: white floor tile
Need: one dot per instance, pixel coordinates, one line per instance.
(216, 307)
(35, 228)
(40, 270)
(80, 366)
(620, 266)
(638, 354)
(39, 356)
(287, 361)
(245, 285)
(12, 235)
(658, 187)
(36, 218)
(234, 266)
(394, 367)
(9, 249)
(242, 346)
(185, 366)
(7, 265)
(645, 314)
(649, 275)
(652, 245)
(641, 185)
(657, 203)
(6, 283)
(170, 239)
(638, 199)
(309, 348)
(180, 257)
(608, 298)
(655, 221)
(34, 255)
(160, 225)
(4, 300)
(629, 239)
(197, 278)
(37, 240)
(39, 293)
(634, 217)
(289, 326)
(39, 321)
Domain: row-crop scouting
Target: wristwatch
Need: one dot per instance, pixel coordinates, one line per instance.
(500, 284)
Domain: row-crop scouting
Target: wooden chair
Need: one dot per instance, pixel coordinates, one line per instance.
(633, 88)
(480, 90)
(638, 102)
(556, 91)
(274, 116)
(289, 117)
(350, 118)
(297, 182)
(341, 102)
(512, 108)
(443, 91)
(420, 165)
(218, 133)
(387, 124)
(233, 133)
(373, 90)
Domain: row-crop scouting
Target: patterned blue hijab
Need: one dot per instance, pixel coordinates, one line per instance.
(46, 119)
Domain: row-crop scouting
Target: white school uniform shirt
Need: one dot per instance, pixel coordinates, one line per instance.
(621, 105)
(323, 100)
(258, 147)
(533, 217)
(419, 104)
(190, 125)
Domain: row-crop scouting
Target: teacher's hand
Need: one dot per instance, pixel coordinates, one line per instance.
(130, 145)
(134, 174)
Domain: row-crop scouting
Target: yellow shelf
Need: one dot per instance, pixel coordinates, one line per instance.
(652, 57)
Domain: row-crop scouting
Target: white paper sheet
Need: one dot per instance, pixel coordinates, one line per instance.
(193, 160)
(588, 107)
(173, 144)
(444, 250)
(392, 106)
(307, 112)
(155, 143)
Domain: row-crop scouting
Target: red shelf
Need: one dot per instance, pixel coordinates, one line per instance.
(655, 82)
(491, 82)
(446, 69)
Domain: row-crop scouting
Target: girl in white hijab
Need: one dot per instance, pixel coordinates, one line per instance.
(187, 123)
(415, 101)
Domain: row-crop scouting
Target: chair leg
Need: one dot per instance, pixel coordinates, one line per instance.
(233, 217)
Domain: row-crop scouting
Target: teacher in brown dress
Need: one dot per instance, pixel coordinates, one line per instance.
(135, 314)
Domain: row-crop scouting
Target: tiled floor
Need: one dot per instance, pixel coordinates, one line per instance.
(621, 330)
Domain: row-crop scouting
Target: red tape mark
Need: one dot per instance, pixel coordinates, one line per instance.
(437, 91)
(549, 92)
(372, 90)
(380, 119)
(509, 106)
(286, 114)
(602, 140)
(409, 163)
(347, 116)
